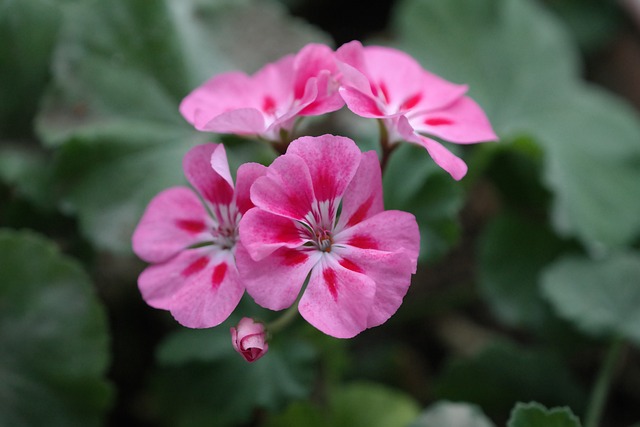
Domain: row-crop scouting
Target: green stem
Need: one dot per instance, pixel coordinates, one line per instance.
(601, 387)
(385, 145)
(284, 320)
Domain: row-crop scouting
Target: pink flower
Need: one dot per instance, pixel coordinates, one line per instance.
(385, 83)
(268, 102)
(190, 240)
(249, 339)
(319, 212)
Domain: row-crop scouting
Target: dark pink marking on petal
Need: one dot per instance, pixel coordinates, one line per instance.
(269, 105)
(411, 102)
(292, 258)
(350, 265)
(287, 234)
(438, 121)
(363, 241)
(361, 212)
(219, 271)
(330, 279)
(195, 266)
(191, 225)
(385, 92)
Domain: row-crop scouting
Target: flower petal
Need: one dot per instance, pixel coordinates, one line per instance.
(241, 121)
(332, 162)
(462, 122)
(388, 231)
(173, 220)
(444, 158)
(363, 197)
(362, 104)
(391, 272)
(224, 92)
(309, 62)
(337, 300)
(197, 168)
(275, 281)
(246, 176)
(286, 189)
(199, 287)
(262, 232)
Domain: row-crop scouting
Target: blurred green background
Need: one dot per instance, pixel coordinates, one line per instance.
(529, 282)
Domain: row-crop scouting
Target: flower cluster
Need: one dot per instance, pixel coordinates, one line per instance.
(309, 231)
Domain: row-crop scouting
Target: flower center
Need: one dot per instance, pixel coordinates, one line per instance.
(224, 236)
(324, 240)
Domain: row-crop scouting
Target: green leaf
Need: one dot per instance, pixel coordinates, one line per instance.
(301, 413)
(361, 404)
(371, 405)
(452, 414)
(495, 377)
(120, 72)
(600, 296)
(28, 30)
(522, 69)
(512, 253)
(53, 338)
(413, 183)
(203, 381)
(535, 415)
(27, 169)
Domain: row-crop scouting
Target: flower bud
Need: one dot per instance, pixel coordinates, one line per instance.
(249, 339)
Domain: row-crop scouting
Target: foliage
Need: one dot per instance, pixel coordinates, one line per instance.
(536, 249)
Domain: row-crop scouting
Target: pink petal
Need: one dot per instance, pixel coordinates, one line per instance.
(221, 93)
(400, 80)
(274, 80)
(328, 98)
(337, 300)
(309, 62)
(275, 281)
(389, 231)
(246, 176)
(462, 122)
(173, 220)
(242, 121)
(352, 65)
(443, 157)
(362, 104)
(391, 272)
(332, 162)
(286, 189)
(262, 232)
(308, 97)
(199, 287)
(220, 164)
(363, 197)
(198, 170)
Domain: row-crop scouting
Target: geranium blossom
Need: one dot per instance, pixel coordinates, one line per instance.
(318, 210)
(268, 102)
(385, 83)
(190, 240)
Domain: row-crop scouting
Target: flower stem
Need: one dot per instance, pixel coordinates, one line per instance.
(385, 145)
(284, 320)
(601, 387)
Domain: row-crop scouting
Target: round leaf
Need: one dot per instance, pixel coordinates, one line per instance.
(53, 338)
(601, 297)
(535, 415)
(452, 414)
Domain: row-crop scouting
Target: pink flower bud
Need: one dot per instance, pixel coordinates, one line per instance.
(249, 339)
